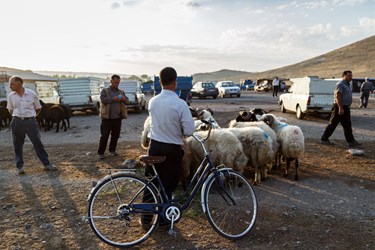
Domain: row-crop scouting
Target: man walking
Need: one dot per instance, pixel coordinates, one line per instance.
(23, 104)
(366, 89)
(341, 111)
(112, 101)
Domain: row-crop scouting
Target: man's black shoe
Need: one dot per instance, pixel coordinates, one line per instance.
(354, 143)
(326, 142)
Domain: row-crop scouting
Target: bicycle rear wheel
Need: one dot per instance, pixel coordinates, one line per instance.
(110, 215)
(230, 204)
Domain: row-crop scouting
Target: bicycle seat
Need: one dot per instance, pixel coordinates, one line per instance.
(149, 159)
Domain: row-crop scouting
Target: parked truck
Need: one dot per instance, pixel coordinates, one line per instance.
(309, 94)
(132, 88)
(81, 94)
(183, 89)
(46, 91)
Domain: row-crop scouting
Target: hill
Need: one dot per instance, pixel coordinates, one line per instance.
(358, 57)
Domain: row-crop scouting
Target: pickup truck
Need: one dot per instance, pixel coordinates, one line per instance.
(81, 94)
(309, 94)
(133, 91)
(45, 90)
(183, 89)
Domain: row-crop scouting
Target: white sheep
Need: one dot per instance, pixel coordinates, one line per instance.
(265, 127)
(205, 114)
(291, 140)
(224, 148)
(257, 146)
(145, 141)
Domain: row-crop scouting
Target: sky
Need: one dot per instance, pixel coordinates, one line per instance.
(143, 36)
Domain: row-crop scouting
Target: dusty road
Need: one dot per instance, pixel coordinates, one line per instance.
(332, 205)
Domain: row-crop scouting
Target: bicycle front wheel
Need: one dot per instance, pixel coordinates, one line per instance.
(230, 204)
(110, 213)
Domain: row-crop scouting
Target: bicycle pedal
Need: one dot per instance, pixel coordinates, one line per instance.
(172, 233)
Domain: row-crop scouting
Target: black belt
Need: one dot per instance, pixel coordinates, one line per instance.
(25, 118)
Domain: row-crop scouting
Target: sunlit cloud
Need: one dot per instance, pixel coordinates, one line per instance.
(367, 23)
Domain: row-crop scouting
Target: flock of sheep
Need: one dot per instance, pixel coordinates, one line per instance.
(254, 142)
(49, 115)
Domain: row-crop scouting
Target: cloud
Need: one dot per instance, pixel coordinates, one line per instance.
(347, 2)
(193, 5)
(367, 24)
(115, 5)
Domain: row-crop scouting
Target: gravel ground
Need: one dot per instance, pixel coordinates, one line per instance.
(331, 206)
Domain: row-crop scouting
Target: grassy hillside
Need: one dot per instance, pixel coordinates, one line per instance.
(358, 57)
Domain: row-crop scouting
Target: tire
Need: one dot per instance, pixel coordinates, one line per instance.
(96, 110)
(104, 207)
(299, 113)
(238, 95)
(282, 108)
(230, 221)
(215, 96)
(138, 110)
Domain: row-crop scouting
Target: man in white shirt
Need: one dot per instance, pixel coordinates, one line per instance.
(23, 104)
(275, 86)
(171, 121)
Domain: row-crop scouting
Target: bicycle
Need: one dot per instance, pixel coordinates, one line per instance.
(115, 204)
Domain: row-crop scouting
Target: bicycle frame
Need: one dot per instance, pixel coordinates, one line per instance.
(205, 168)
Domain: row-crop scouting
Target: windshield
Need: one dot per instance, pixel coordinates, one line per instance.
(208, 85)
(228, 84)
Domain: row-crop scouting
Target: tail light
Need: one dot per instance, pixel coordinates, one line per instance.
(90, 99)
(308, 101)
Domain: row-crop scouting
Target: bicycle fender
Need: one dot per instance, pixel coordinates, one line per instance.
(204, 186)
(105, 178)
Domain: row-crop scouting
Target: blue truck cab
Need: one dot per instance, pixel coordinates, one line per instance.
(183, 89)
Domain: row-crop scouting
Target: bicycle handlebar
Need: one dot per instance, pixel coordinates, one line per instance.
(209, 123)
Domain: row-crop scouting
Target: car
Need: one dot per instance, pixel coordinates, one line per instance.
(204, 89)
(247, 84)
(228, 88)
(309, 94)
(263, 86)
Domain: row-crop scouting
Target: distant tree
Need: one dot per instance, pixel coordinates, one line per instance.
(134, 77)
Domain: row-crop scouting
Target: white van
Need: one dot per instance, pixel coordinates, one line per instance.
(309, 94)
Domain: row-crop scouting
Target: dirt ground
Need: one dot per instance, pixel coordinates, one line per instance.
(332, 206)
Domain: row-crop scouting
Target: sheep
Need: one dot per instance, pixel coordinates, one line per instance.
(68, 114)
(245, 117)
(257, 146)
(5, 116)
(56, 114)
(52, 113)
(224, 147)
(205, 114)
(291, 139)
(145, 141)
(262, 125)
